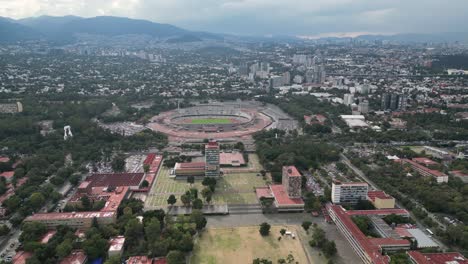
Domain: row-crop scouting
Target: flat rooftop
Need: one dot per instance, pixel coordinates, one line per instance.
(116, 243)
(64, 216)
(233, 158)
(75, 257)
(437, 258)
(424, 241)
(115, 179)
(263, 192)
(378, 194)
(381, 212)
(282, 197)
(291, 171)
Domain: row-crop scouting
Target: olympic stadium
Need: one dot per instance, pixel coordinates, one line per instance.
(216, 120)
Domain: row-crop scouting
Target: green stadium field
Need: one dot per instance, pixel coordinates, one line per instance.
(211, 121)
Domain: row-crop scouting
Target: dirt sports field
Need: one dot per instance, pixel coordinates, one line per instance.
(244, 244)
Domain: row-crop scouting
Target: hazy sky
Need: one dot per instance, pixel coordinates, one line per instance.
(285, 17)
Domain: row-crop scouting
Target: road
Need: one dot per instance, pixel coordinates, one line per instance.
(361, 174)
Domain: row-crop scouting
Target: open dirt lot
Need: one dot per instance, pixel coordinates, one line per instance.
(243, 244)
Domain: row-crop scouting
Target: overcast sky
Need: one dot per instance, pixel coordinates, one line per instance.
(264, 17)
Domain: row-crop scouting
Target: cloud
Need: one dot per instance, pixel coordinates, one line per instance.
(296, 17)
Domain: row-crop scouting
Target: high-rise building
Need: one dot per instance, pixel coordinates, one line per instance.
(243, 69)
(385, 104)
(309, 76)
(276, 81)
(292, 181)
(363, 107)
(298, 79)
(348, 193)
(286, 78)
(265, 67)
(348, 99)
(394, 101)
(402, 101)
(212, 159)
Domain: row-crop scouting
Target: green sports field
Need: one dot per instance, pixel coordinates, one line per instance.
(211, 121)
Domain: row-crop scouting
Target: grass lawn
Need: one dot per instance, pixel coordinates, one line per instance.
(211, 121)
(232, 188)
(243, 244)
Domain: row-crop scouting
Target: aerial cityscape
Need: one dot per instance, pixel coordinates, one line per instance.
(238, 132)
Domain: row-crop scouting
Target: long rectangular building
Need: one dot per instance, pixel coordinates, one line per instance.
(80, 220)
(349, 192)
(370, 250)
(425, 171)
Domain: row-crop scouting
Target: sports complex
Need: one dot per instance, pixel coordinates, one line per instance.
(217, 121)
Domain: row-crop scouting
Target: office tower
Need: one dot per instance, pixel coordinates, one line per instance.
(286, 78)
(348, 99)
(394, 101)
(348, 193)
(212, 159)
(292, 181)
(402, 102)
(363, 107)
(276, 81)
(385, 104)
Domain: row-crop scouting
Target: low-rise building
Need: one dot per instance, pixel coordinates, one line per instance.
(417, 257)
(381, 200)
(231, 159)
(189, 169)
(371, 251)
(425, 171)
(80, 220)
(116, 246)
(75, 257)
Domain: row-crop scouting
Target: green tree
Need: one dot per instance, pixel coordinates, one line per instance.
(329, 249)
(191, 180)
(262, 261)
(133, 232)
(113, 260)
(175, 257)
(206, 192)
(95, 246)
(186, 243)
(37, 200)
(146, 168)
(86, 203)
(172, 200)
(64, 249)
(4, 230)
(306, 225)
(186, 199)
(197, 204)
(152, 230)
(264, 229)
(32, 231)
(282, 231)
(198, 218)
(118, 163)
(158, 248)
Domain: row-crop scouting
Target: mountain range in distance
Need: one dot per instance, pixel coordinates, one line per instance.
(65, 29)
